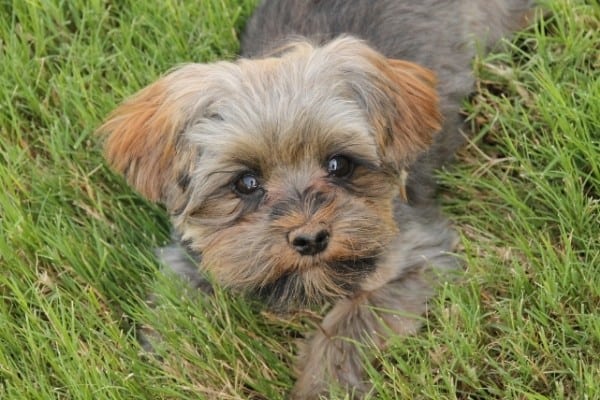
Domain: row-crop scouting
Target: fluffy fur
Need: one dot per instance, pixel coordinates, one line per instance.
(301, 174)
(443, 36)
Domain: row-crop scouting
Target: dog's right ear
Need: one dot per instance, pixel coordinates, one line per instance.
(143, 132)
(399, 98)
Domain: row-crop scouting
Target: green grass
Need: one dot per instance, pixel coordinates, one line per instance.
(76, 244)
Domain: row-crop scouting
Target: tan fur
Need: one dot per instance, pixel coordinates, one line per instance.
(142, 141)
(414, 118)
(143, 131)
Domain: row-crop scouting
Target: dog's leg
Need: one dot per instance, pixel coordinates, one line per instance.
(334, 354)
(176, 260)
(391, 303)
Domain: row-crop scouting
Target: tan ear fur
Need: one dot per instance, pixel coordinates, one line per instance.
(406, 123)
(142, 132)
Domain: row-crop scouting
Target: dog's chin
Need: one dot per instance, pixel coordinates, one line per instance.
(257, 258)
(314, 284)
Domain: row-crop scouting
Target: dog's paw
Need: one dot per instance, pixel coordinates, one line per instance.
(331, 364)
(331, 360)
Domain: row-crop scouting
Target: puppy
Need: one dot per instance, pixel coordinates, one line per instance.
(301, 174)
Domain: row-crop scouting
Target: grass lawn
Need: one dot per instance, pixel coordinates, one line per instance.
(76, 244)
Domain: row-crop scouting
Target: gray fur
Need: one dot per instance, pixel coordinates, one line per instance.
(443, 35)
(177, 260)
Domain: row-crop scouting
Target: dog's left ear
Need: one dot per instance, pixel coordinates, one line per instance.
(402, 104)
(143, 134)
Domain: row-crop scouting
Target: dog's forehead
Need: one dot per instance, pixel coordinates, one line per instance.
(278, 111)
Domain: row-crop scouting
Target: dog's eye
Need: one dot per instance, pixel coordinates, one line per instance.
(247, 184)
(340, 166)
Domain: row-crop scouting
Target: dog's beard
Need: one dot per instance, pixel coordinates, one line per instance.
(253, 256)
(322, 283)
(285, 281)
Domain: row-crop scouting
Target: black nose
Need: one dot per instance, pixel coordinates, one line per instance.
(309, 243)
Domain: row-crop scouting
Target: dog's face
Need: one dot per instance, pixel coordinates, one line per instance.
(282, 172)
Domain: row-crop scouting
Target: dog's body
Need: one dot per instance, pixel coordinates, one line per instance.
(443, 36)
(304, 175)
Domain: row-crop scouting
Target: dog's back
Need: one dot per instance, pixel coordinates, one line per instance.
(430, 32)
(441, 35)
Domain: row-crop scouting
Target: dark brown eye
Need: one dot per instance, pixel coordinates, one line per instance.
(247, 184)
(340, 166)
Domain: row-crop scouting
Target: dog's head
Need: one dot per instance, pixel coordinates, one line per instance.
(282, 172)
